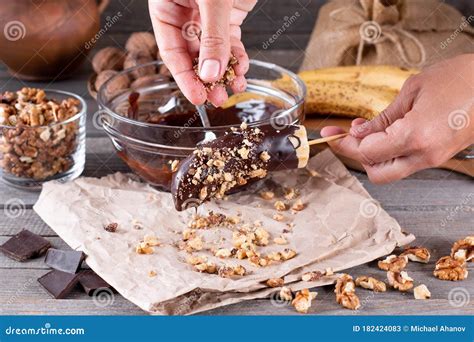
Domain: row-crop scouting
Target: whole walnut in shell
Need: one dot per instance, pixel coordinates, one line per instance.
(109, 58)
(134, 60)
(119, 83)
(142, 43)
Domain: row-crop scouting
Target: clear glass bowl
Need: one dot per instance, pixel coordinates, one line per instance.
(32, 155)
(151, 124)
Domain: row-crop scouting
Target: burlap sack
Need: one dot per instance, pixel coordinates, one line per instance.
(407, 33)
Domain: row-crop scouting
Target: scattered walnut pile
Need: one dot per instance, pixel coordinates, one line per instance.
(35, 144)
(140, 48)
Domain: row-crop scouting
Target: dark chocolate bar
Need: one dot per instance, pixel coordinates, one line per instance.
(66, 261)
(236, 159)
(59, 284)
(91, 282)
(25, 245)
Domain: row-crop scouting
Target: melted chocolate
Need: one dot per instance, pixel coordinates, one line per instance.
(233, 160)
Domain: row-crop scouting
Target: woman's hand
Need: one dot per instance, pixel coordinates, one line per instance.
(177, 24)
(430, 121)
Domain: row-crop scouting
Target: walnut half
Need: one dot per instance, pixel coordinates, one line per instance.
(417, 254)
(448, 268)
(393, 263)
(463, 249)
(371, 284)
(345, 292)
(400, 280)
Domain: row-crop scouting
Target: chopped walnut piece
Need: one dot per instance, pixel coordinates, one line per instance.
(278, 217)
(418, 254)
(151, 241)
(393, 263)
(303, 299)
(298, 205)
(280, 206)
(223, 253)
(264, 156)
(421, 292)
(174, 165)
(287, 254)
(143, 248)
(345, 292)
(400, 280)
(275, 282)
(189, 234)
(267, 195)
(261, 237)
(290, 193)
(329, 271)
(152, 273)
(195, 244)
(463, 249)
(280, 240)
(312, 276)
(196, 260)
(286, 294)
(448, 268)
(207, 267)
(111, 227)
(274, 256)
(371, 284)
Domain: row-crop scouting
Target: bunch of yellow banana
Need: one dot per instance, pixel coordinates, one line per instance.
(353, 91)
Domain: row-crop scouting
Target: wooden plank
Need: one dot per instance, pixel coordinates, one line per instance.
(21, 294)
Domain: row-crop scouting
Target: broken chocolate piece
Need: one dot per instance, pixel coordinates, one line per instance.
(25, 245)
(59, 284)
(66, 261)
(91, 282)
(235, 159)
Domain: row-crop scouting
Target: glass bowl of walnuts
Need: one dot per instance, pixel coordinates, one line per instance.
(42, 137)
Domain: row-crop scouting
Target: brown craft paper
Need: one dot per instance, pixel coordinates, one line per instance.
(340, 227)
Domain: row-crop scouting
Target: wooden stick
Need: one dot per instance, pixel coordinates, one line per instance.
(327, 139)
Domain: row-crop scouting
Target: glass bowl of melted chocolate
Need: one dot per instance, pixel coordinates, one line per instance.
(153, 126)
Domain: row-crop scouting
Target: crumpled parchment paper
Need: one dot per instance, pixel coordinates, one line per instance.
(340, 227)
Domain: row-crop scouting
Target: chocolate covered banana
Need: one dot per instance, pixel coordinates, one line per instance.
(235, 159)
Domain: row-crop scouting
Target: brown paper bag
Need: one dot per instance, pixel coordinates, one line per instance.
(407, 33)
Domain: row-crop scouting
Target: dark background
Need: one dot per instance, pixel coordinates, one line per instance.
(266, 18)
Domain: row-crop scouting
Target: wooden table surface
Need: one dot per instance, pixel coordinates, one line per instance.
(435, 205)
